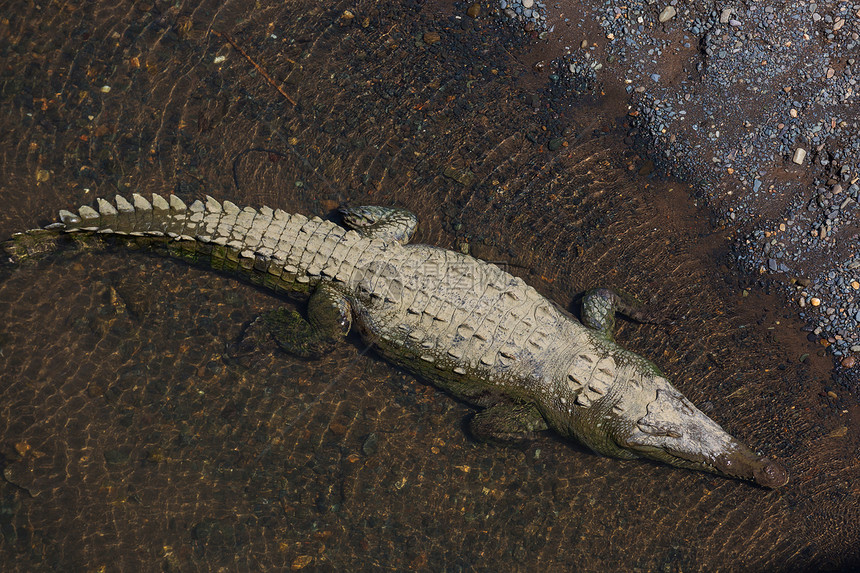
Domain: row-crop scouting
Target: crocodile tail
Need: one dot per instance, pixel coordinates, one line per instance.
(138, 217)
(266, 246)
(34, 244)
(160, 218)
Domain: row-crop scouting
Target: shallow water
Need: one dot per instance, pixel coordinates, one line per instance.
(129, 440)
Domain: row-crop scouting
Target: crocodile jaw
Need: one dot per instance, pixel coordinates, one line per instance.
(674, 431)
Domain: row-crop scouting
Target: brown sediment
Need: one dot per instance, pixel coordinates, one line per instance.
(123, 424)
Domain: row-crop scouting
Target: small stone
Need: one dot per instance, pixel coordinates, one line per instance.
(799, 155)
(725, 15)
(431, 37)
(105, 89)
(337, 428)
(830, 72)
(301, 562)
(371, 444)
(855, 285)
(815, 301)
(848, 362)
(464, 177)
(667, 14)
(474, 10)
(528, 4)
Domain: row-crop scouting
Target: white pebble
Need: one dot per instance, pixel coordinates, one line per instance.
(667, 14)
(799, 155)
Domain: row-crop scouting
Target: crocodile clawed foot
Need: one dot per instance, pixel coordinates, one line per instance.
(295, 335)
(507, 423)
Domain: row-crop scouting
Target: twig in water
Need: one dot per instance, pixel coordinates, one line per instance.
(257, 66)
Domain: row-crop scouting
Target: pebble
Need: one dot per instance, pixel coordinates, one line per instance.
(528, 3)
(431, 37)
(556, 143)
(667, 14)
(803, 117)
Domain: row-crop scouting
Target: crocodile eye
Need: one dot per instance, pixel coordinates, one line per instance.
(660, 428)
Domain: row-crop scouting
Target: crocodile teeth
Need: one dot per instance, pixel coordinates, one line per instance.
(68, 217)
(197, 207)
(105, 208)
(159, 202)
(176, 203)
(123, 205)
(140, 203)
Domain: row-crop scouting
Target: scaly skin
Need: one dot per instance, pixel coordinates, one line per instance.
(469, 327)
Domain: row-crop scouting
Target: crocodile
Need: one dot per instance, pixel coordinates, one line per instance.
(464, 324)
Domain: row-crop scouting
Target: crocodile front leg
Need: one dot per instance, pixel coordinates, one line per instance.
(600, 305)
(507, 422)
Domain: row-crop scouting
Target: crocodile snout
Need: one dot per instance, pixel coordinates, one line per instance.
(743, 463)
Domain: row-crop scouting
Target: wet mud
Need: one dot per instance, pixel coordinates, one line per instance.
(130, 439)
(753, 103)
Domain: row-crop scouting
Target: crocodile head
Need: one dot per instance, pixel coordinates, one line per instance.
(663, 425)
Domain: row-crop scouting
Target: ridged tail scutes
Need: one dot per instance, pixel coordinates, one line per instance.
(285, 252)
(161, 217)
(137, 217)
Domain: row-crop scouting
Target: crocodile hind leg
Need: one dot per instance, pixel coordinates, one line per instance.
(600, 305)
(507, 422)
(329, 321)
(381, 222)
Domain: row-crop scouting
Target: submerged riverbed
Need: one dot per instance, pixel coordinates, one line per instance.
(127, 437)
